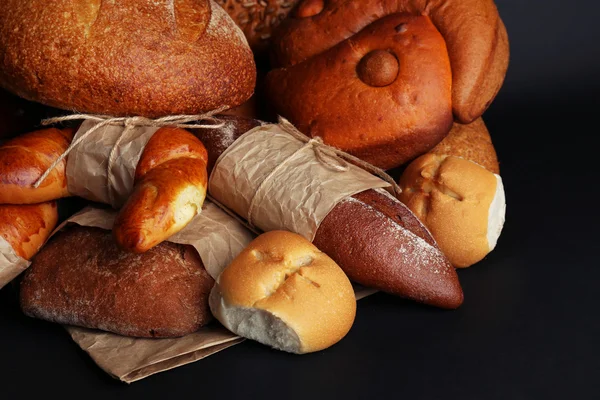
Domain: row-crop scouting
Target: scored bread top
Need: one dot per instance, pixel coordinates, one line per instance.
(452, 196)
(149, 58)
(284, 274)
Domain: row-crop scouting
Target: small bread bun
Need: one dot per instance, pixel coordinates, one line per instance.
(283, 292)
(461, 203)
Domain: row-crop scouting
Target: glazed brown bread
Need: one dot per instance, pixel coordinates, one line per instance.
(383, 95)
(27, 227)
(471, 142)
(161, 293)
(170, 182)
(474, 33)
(170, 188)
(25, 158)
(149, 58)
(283, 292)
(258, 19)
(375, 239)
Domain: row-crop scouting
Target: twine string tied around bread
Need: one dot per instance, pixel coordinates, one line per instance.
(129, 123)
(336, 159)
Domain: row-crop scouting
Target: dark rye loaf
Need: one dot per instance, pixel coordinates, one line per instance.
(372, 236)
(127, 57)
(81, 278)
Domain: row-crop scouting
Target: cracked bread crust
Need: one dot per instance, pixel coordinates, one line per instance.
(281, 287)
(160, 293)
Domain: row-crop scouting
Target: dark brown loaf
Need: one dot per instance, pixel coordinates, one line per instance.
(374, 238)
(380, 243)
(149, 58)
(81, 278)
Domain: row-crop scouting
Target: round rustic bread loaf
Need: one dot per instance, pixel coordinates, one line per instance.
(149, 58)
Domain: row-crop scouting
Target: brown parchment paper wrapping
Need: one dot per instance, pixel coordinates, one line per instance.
(11, 264)
(87, 174)
(275, 181)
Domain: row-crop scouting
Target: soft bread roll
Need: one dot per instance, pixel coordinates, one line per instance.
(24, 159)
(461, 203)
(125, 58)
(27, 227)
(471, 142)
(283, 292)
(170, 188)
(82, 278)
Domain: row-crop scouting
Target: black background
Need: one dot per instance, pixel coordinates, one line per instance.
(529, 327)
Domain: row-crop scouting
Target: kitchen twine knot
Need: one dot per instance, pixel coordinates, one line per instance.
(129, 123)
(336, 159)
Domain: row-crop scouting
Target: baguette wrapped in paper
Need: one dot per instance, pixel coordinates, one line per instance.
(278, 179)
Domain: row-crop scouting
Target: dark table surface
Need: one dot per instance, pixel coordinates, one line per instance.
(529, 327)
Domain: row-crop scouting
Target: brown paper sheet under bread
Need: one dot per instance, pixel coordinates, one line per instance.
(149, 58)
(81, 278)
(471, 142)
(366, 236)
(474, 33)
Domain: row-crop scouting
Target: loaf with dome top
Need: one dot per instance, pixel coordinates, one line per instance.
(131, 57)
